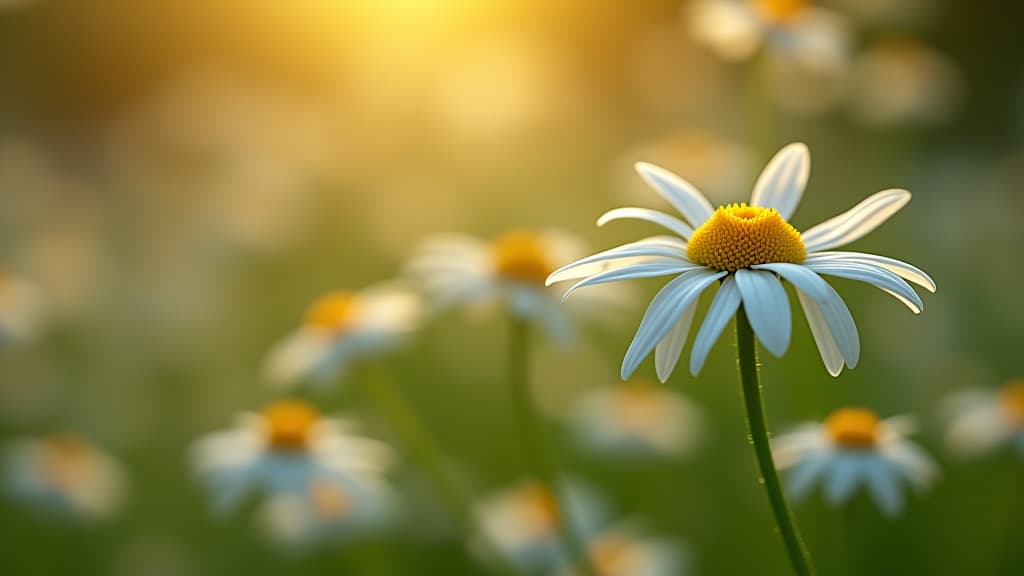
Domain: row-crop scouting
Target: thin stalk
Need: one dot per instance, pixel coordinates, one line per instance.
(753, 400)
(539, 456)
(389, 401)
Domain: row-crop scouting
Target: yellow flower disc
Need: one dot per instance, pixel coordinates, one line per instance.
(739, 236)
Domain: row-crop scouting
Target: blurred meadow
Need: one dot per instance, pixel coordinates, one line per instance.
(179, 181)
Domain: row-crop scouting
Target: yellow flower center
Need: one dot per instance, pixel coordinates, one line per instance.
(329, 501)
(1011, 399)
(332, 312)
(540, 508)
(611, 555)
(522, 256)
(67, 459)
(739, 236)
(289, 423)
(780, 11)
(638, 406)
(853, 428)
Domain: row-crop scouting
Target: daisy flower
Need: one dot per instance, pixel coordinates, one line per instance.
(290, 449)
(341, 328)
(638, 419)
(749, 250)
(854, 448)
(981, 421)
(522, 522)
(813, 38)
(64, 476)
(19, 308)
(625, 551)
(510, 270)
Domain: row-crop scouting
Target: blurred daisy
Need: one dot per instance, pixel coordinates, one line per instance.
(64, 476)
(462, 270)
(318, 477)
(19, 308)
(624, 551)
(522, 522)
(637, 419)
(813, 38)
(903, 81)
(981, 421)
(748, 250)
(850, 449)
(341, 328)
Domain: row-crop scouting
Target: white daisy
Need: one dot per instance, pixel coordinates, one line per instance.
(64, 476)
(625, 551)
(341, 328)
(522, 522)
(981, 421)
(816, 39)
(19, 308)
(331, 477)
(749, 250)
(462, 270)
(850, 449)
(638, 419)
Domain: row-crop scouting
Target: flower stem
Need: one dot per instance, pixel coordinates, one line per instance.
(389, 401)
(539, 457)
(758, 427)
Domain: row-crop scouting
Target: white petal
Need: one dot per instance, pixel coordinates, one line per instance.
(883, 483)
(822, 334)
(767, 307)
(916, 466)
(660, 218)
(666, 353)
(782, 182)
(844, 475)
(803, 476)
(722, 309)
(856, 222)
(844, 330)
(684, 196)
(649, 247)
(665, 309)
(902, 269)
(806, 281)
(648, 269)
(874, 275)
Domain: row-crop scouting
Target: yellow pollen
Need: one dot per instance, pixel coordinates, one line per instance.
(853, 428)
(540, 508)
(781, 11)
(522, 256)
(739, 236)
(329, 501)
(288, 424)
(611, 555)
(67, 459)
(1011, 399)
(331, 312)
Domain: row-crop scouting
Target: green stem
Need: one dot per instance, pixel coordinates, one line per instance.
(539, 457)
(393, 406)
(758, 427)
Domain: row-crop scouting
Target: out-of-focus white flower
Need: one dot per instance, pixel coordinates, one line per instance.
(64, 476)
(636, 420)
(20, 308)
(981, 421)
(318, 478)
(462, 270)
(522, 522)
(625, 551)
(852, 448)
(814, 38)
(903, 81)
(341, 328)
(748, 251)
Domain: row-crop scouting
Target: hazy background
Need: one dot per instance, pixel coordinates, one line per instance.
(182, 178)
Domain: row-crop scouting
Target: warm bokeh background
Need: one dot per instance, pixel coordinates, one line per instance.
(182, 178)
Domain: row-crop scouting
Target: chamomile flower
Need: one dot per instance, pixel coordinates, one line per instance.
(290, 449)
(854, 448)
(510, 271)
(522, 522)
(816, 39)
(748, 250)
(19, 308)
(626, 551)
(341, 328)
(981, 421)
(64, 476)
(635, 420)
